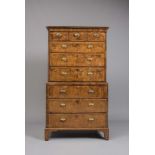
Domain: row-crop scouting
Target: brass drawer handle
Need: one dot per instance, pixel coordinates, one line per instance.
(62, 91)
(64, 46)
(90, 59)
(62, 119)
(91, 119)
(91, 91)
(90, 46)
(96, 35)
(77, 35)
(64, 73)
(62, 104)
(90, 73)
(58, 34)
(91, 104)
(64, 59)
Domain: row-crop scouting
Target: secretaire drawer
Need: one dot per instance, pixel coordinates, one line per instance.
(76, 74)
(76, 105)
(74, 59)
(77, 120)
(77, 91)
(77, 47)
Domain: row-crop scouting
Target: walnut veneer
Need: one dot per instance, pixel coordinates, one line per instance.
(77, 91)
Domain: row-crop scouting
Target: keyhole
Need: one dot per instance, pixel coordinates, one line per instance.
(77, 101)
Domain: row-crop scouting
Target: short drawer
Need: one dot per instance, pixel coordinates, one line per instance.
(81, 47)
(77, 91)
(58, 36)
(96, 36)
(74, 59)
(76, 74)
(76, 105)
(77, 120)
(77, 36)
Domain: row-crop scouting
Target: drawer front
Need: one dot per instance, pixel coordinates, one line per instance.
(77, 36)
(63, 59)
(75, 91)
(72, 59)
(62, 74)
(96, 36)
(77, 120)
(91, 59)
(76, 74)
(76, 105)
(77, 47)
(58, 36)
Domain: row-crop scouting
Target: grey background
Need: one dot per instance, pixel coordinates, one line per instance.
(42, 13)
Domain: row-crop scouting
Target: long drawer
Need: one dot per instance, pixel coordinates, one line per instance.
(76, 105)
(74, 59)
(76, 74)
(95, 120)
(84, 47)
(77, 91)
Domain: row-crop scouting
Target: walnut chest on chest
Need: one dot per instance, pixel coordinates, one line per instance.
(77, 91)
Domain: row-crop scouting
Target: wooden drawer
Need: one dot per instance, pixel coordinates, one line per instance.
(76, 74)
(58, 36)
(77, 91)
(76, 105)
(77, 120)
(83, 47)
(77, 36)
(96, 36)
(73, 59)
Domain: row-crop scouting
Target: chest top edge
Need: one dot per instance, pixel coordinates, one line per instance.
(77, 28)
